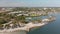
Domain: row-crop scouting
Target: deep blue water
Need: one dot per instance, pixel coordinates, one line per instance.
(51, 28)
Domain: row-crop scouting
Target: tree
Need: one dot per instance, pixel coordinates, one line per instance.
(21, 19)
(2, 21)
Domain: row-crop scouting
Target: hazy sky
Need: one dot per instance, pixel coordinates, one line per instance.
(29, 3)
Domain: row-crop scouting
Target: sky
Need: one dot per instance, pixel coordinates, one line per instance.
(29, 3)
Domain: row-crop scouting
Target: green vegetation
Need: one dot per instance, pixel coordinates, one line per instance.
(5, 17)
(21, 19)
(2, 21)
(34, 14)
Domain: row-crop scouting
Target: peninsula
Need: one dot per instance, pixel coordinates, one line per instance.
(16, 19)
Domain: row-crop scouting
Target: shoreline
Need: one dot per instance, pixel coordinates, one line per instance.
(28, 26)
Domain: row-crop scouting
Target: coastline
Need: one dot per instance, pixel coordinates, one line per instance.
(27, 27)
(21, 30)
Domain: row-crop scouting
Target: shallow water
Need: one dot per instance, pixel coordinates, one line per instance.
(51, 28)
(16, 32)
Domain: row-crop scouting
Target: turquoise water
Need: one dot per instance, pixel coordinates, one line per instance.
(51, 28)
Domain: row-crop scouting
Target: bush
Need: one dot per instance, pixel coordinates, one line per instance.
(2, 21)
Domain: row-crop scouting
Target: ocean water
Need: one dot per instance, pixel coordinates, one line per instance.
(51, 28)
